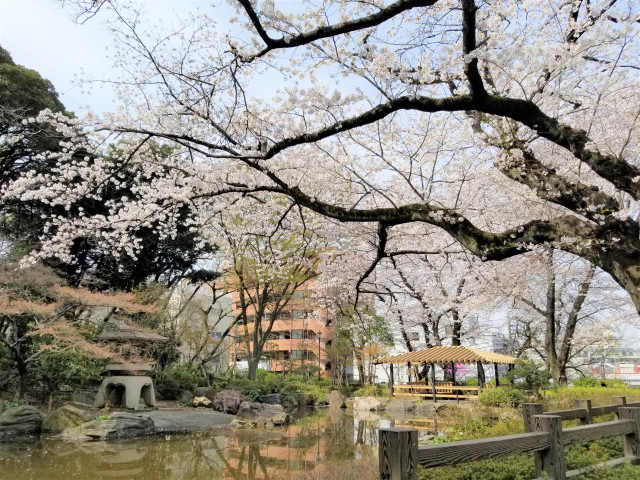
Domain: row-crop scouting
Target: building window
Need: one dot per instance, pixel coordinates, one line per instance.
(297, 354)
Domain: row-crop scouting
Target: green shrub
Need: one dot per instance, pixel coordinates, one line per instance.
(471, 382)
(586, 382)
(372, 391)
(502, 397)
(562, 398)
(290, 391)
(615, 383)
(175, 378)
(529, 376)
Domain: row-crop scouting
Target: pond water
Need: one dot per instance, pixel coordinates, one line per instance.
(324, 444)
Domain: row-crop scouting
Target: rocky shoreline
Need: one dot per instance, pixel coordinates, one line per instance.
(209, 410)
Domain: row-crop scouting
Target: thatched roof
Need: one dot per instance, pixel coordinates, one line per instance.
(446, 355)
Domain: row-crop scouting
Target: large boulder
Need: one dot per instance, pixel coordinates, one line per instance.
(428, 408)
(186, 397)
(401, 406)
(202, 402)
(84, 398)
(208, 392)
(68, 416)
(228, 401)
(254, 414)
(118, 425)
(17, 421)
(305, 400)
(335, 399)
(271, 399)
(368, 404)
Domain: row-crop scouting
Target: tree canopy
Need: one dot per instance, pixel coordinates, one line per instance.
(506, 126)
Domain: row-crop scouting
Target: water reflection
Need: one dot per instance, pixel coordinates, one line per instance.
(315, 443)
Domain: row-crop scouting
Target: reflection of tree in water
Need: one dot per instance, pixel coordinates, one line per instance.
(366, 433)
(341, 432)
(315, 444)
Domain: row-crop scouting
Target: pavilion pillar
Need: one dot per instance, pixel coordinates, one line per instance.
(433, 382)
(481, 377)
(425, 370)
(409, 373)
(495, 370)
(391, 379)
(453, 373)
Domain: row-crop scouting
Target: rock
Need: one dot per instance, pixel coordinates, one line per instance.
(401, 406)
(68, 416)
(335, 399)
(22, 420)
(272, 399)
(186, 397)
(119, 425)
(305, 400)
(254, 414)
(84, 398)
(348, 402)
(202, 402)
(428, 408)
(368, 404)
(366, 416)
(228, 401)
(426, 439)
(208, 392)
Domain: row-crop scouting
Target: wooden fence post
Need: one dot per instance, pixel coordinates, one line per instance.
(398, 453)
(622, 401)
(586, 404)
(631, 441)
(528, 412)
(552, 461)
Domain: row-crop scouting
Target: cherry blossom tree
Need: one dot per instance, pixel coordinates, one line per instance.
(561, 305)
(505, 125)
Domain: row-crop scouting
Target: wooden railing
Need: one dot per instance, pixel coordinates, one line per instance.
(444, 390)
(399, 453)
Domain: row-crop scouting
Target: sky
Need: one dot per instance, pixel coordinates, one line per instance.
(41, 35)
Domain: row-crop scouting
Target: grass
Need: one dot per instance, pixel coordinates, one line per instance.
(484, 422)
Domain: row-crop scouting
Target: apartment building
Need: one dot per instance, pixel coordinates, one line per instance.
(300, 335)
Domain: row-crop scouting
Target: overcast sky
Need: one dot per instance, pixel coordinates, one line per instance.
(41, 35)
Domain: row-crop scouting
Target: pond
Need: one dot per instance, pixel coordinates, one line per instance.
(326, 444)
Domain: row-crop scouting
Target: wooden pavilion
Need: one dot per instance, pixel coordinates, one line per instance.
(445, 357)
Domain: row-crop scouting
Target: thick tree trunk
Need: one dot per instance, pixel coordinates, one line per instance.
(551, 327)
(22, 378)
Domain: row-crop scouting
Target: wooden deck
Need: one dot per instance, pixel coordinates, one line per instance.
(444, 390)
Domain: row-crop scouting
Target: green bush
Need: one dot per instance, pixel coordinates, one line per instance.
(471, 382)
(615, 383)
(502, 397)
(586, 382)
(598, 382)
(562, 398)
(175, 378)
(372, 391)
(529, 376)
